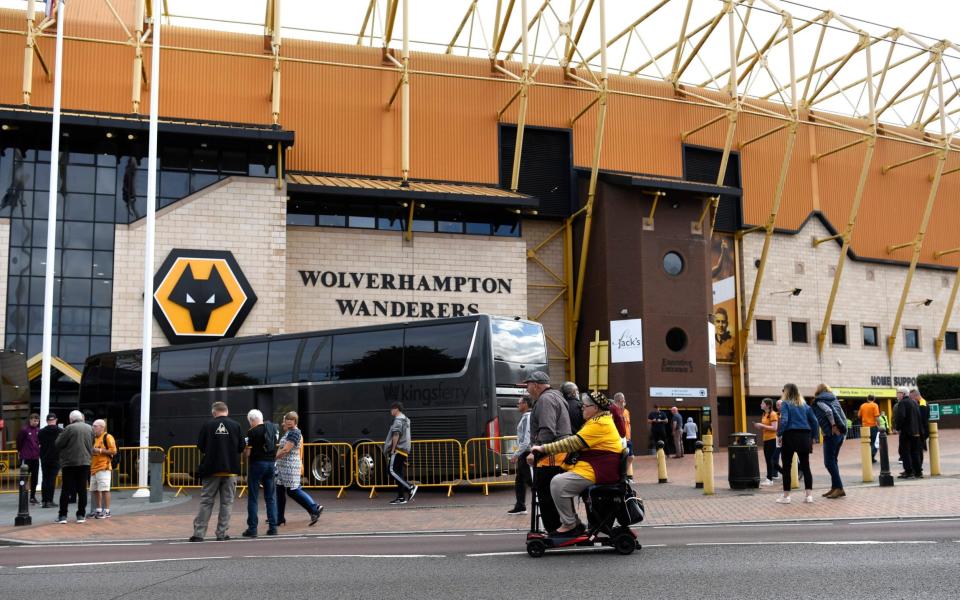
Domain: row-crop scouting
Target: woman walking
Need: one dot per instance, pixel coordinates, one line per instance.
(768, 425)
(690, 433)
(795, 433)
(833, 423)
(289, 468)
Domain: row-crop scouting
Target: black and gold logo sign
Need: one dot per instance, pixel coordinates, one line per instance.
(200, 295)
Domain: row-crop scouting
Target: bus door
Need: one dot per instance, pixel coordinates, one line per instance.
(508, 414)
(275, 402)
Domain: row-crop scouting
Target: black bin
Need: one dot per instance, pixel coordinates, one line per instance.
(743, 462)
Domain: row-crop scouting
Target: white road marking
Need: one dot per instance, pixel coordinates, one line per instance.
(347, 556)
(898, 521)
(731, 525)
(87, 545)
(121, 562)
(822, 543)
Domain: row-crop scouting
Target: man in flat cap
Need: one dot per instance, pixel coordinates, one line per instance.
(549, 422)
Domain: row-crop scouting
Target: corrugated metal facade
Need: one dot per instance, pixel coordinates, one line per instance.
(342, 126)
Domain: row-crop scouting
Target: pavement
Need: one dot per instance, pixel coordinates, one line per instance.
(676, 502)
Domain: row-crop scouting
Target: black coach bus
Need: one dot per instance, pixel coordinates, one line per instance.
(457, 378)
(14, 395)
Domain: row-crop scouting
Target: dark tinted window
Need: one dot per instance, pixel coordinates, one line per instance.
(950, 340)
(280, 364)
(798, 332)
(838, 334)
(367, 355)
(764, 330)
(248, 364)
(315, 360)
(184, 369)
(870, 335)
(437, 349)
(911, 338)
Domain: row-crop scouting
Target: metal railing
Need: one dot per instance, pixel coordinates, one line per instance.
(9, 471)
(486, 461)
(183, 464)
(431, 463)
(328, 466)
(126, 475)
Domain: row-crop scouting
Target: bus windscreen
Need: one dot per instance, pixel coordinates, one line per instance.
(518, 341)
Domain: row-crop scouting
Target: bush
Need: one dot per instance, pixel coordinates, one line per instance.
(939, 386)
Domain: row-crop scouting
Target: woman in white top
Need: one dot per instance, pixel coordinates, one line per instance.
(690, 435)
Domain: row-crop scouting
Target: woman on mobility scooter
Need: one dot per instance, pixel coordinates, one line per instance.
(598, 461)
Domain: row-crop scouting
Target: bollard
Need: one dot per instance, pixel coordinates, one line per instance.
(23, 513)
(698, 466)
(866, 456)
(156, 458)
(886, 479)
(708, 464)
(661, 463)
(934, 449)
(795, 473)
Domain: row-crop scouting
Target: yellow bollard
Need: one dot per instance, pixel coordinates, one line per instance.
(795, 474)
(661, 464)
(708, 464)
(934, 449)
(698, 466)
(866, 455)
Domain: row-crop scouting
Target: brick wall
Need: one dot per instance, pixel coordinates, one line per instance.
(246, 216)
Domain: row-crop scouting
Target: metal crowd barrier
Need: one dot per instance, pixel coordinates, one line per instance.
(183, 463)
(486, 461)
(9, 472)
(327, 466)
(126, 475)
(432, 463)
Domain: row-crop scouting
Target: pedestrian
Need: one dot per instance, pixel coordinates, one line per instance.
(101, 469)
(28, 446)
(524, 477)
(397, 448)
(833, 424)
(261, 453)
(869, 413)
(795, 434)
(676, 426)
(768, 427)
(621, 402)
(658, 427)
(49, 459)
(924, 425)
(289, 469)
(690, 433)
(75, 445)
(549, 422)
(220, 442)
(907, 421)
(901, 394)
(571, 393)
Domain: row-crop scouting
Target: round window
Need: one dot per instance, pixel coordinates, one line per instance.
(672, 263)
(676, 339)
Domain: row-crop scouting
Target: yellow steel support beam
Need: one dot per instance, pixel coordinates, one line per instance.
(366, 20)
(522, 114)
(408, 234)
(498, 40)
(887, 168)
(846, 237)
(678, 73)
(768, 229)
(823, 84)
(405, 94)
(571, 332)
(628, 30)
(709, 203)
(139, 73)
(28, 53)
(279, 166)
(763, 135)
(681, 41)
(917, 245)
(453, 41)
(684, 135)
(945, 173)
(391, 19)
(572, 46)
(840, 148)
(829, 238)
(276, 41)
(938, 343)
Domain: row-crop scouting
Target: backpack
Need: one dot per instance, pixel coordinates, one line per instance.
(271, 437)
(115, 459)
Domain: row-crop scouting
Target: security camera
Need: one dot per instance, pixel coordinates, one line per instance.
(839, 363)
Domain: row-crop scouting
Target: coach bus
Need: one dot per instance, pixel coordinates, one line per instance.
(457, 378)
(14, 395)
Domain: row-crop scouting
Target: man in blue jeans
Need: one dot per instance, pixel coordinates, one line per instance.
(261, 453)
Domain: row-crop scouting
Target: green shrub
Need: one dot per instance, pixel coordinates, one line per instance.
(942, 386)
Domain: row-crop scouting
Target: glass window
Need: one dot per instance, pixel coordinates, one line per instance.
(204, 159)
(75, 292)
(101, 292)
(74, 320)
(475, 227)
(362, 217)
(81, 179)
(174, 184)
(233, 162)
(331, 214)
(911, 338)
(436, 349)
(798, 332)
(392, 218)
(673, 263)
(838, 334)
(79, 207)
(100, 321)
(80, 158)
(103, 236)
(764, 330)
(518, 341)
(283, 354)
(247, 364)
(74, 348)
(172, 157)
(198, 181)
(184, 369)
(315, 360)
(106, 181)
(99, 343)
(299, 219)
(104, 209)
(950, 340)
(78, 235)
(367, 355)
(77, 263)
(103, 264)
(676, 339)
(449, 221)
(870, 336)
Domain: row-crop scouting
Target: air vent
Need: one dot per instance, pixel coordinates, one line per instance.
(546, 170)
(440, 427)
(702, 165)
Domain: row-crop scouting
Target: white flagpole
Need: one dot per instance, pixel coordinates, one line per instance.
(52, 220)
(148, 256)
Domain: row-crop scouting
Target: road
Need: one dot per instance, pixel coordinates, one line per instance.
(840, 559)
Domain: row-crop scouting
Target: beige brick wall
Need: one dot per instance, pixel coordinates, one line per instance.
(538, 298)
(4, 263)
(244, 215)
(313, 307)
(869, 295)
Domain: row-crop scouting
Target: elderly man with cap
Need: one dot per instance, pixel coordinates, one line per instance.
(549, 422)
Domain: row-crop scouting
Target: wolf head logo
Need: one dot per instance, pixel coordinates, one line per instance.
(200, 296)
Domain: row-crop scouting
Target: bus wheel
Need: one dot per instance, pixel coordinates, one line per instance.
(323, 467)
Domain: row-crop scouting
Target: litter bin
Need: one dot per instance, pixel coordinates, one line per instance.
(743, 462)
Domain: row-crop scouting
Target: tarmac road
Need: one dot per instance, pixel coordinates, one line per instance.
(841, 559)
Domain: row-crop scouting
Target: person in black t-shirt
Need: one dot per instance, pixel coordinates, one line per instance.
(221, 443)
(261, 453)
(658, 427)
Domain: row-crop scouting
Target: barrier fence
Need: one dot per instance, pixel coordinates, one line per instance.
(486, 461)
(328, 466)
(432, 463)
(183, 464)
(126, 474)
(9, 472)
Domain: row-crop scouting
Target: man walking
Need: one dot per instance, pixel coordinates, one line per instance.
(524, 478)
(869, 413)
(221, 442)
(75, 445)
(676, 427)
(49, 459)
(101, 468)
(261, 453)
(906, 420)
(549, 422)
(28, 446)
(397, 448)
